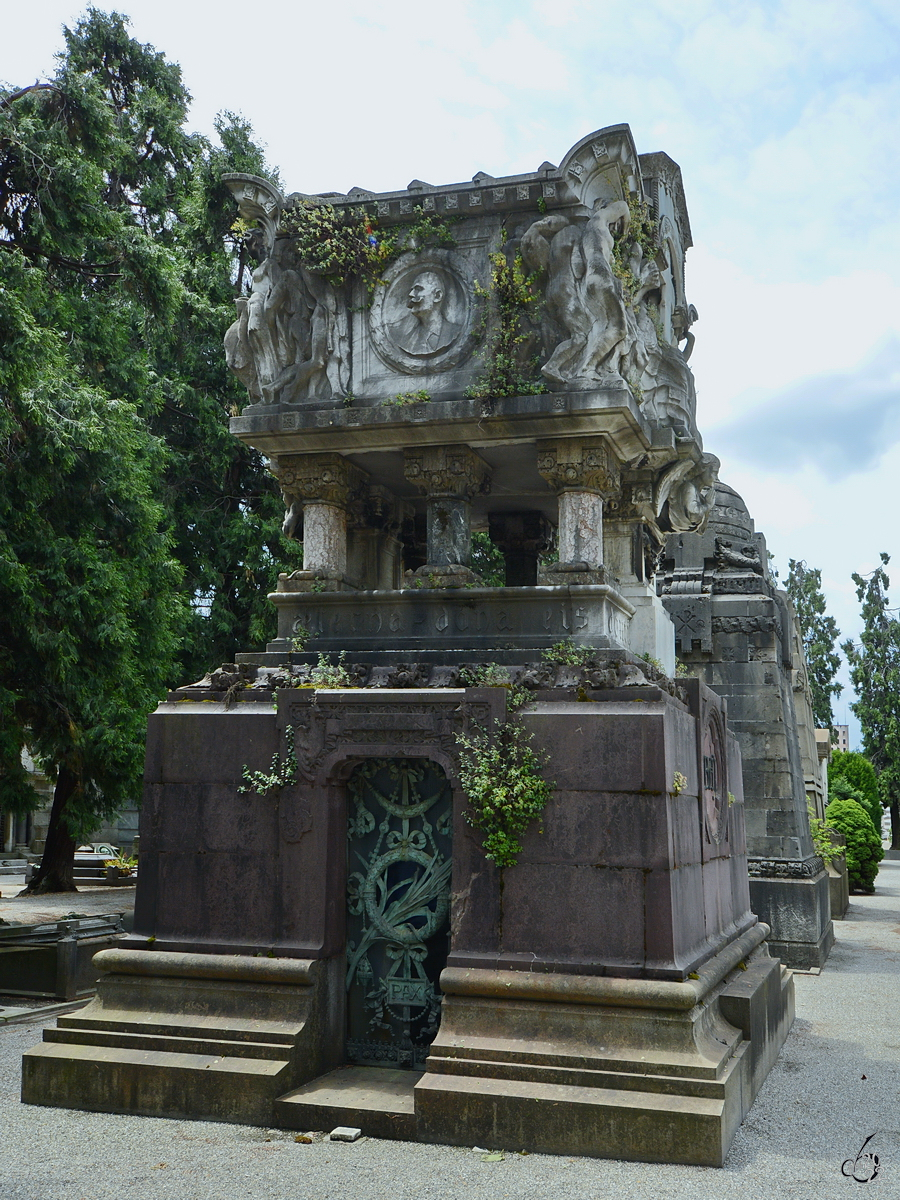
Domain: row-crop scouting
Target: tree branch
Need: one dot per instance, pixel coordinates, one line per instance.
(34, 87)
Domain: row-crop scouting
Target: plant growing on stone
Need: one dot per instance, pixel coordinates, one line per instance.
(404, 399)
(510, 304)
(348, 243)
(822, 837)
(281, 773)
(642, 231)
(568, 653)
(326, 674)
(500, 775)
(495, 675)
(864, 851)
(679, 783)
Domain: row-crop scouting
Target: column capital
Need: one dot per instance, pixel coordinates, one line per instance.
(579, 464)
(318, 478)
(447, 471)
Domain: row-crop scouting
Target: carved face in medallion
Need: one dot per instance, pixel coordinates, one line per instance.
(426, 329)
(420, 321)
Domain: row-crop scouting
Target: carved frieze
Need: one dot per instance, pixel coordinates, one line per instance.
(322, 725)
(613, 310)
(746, 625)
(746, 557)
(447, 471)
(784, 868)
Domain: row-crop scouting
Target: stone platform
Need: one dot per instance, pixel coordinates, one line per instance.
(640, 1026)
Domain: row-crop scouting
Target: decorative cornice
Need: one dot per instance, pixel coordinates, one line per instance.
(785, 868)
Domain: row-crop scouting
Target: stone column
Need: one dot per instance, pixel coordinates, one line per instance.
(317, 489)
(521, 537)
(583, 472)
(449, 476)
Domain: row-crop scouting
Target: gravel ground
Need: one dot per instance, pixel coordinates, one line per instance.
(836, 1083)
(34, 910)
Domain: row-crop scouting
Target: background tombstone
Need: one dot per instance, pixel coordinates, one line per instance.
(737, 632)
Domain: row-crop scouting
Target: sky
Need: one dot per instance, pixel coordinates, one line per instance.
(783, 116)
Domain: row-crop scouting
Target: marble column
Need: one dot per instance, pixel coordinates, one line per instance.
(449, 476)
(320, 486)
(583, 472)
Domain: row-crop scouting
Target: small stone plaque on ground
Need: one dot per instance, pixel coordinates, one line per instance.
(344, 1133)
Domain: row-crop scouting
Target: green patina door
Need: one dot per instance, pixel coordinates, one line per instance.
(398, 908)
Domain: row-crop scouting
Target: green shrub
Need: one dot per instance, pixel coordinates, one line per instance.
(852, 777)
(864, 851)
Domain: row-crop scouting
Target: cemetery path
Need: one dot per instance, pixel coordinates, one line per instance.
(835, 1085)
(87, 902)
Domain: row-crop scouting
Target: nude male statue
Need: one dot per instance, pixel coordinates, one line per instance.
(582, 295)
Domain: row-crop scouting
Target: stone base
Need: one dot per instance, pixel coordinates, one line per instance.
(799, 914)
(203, 1036)
(448, 575)
(652, 630)
(604, 1067)
(838, 887)
(314, 581)
(454, 619)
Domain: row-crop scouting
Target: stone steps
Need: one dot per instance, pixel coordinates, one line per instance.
(553, 1118)
(276, 1033)
(152, 1082)
(579, 1077)
(377, 1100)
(222, 1046)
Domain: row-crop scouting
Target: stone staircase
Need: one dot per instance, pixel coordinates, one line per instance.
(377, 1100)
(211, 1037)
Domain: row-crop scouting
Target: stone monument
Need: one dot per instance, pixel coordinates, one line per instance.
(739, 632)
(509, 356)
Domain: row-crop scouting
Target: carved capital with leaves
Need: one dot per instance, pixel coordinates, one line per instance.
(318, 479)
(447, 471)
(580, 464)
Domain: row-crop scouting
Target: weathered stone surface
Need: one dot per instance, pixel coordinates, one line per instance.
(611, 1067)
(583, 1001)
(738, 632)
(189, 1035)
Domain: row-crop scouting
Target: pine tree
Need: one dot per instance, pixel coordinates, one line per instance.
(819, 633)
(875, 673)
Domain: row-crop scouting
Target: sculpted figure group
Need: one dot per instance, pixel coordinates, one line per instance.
(595, 331)
(290, 338)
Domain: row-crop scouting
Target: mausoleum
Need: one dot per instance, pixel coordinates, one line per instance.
(504, 356)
